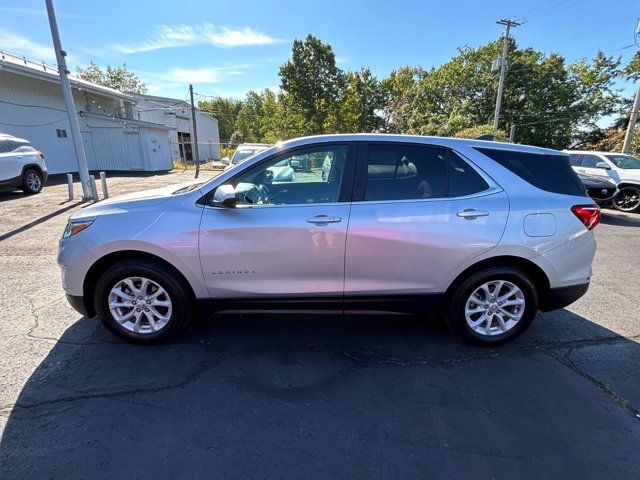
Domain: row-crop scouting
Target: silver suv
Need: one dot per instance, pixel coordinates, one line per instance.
(485, 233)
(21, 165)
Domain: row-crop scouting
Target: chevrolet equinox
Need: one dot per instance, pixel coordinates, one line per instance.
(484, 233)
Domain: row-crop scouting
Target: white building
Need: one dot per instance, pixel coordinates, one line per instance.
(176, 115)
(115, 136)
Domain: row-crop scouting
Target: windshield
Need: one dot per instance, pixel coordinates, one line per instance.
(244, 153)
(624, 161)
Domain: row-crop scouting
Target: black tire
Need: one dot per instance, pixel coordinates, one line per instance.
(32, 181)
(454, 312)
(628, 200)
(176, 288)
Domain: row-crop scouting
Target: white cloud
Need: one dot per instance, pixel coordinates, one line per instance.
(14, 43)
(42, 12)
(183, 35)
(179, 78)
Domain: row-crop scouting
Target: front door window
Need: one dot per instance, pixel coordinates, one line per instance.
(282, 181)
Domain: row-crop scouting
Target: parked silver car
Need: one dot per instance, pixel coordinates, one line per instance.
(485, 233)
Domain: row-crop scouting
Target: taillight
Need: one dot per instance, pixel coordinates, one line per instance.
(41, 154)
(590, 215)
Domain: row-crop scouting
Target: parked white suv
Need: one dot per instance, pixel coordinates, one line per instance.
(624, 170)
(21, 165)
(485, 233)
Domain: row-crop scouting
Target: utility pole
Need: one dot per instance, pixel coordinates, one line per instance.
(503, 66)
(512, 132)
(633, 118)
(76, 136)
(195, 132)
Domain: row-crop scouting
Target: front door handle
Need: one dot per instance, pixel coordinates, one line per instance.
(473, 213)
(323, 219)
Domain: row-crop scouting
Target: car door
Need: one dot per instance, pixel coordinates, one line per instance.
(588, 163)
(11, 160)
(419, 212)
(286, 235)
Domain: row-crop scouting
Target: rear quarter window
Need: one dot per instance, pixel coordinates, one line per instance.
(552, 173)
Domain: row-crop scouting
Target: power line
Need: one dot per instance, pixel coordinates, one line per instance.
(32, 106)
(37, 125)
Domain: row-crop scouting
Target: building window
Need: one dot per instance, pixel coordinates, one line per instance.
(61, 133)
(184, 143)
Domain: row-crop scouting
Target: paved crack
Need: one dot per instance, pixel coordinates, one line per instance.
(109, 394)
(603, 387)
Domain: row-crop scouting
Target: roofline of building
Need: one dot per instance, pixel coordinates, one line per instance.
(22, 66)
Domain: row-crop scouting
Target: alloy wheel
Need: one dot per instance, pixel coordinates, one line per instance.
(628, 199)
(494, 307)
(33, 181)
(140, 305)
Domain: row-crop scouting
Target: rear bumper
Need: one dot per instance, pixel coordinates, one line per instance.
(563, 296)
(78, 304)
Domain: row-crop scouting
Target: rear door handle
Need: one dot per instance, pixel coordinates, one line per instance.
(473, 213)
(323, 219)
(581, 170)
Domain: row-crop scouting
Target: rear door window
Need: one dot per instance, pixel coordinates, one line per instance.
(463, 179)
(552, 173)
(405, 172)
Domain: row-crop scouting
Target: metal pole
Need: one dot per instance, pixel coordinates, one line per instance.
(195, 132)
(94, 188)
(503, 68)
(103, 180)
(70, 185)
(512, 132)
(631, 128)
(68, 100)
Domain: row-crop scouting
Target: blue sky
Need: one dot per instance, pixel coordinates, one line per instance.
(229, 47)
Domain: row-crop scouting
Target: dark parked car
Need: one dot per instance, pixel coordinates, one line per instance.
(599, 189)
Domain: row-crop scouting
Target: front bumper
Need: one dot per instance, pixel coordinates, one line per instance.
(78, 305)
(561, 297)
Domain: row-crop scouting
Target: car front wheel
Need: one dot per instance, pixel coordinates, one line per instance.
(628, 200)
(140, 301)
(492, 306)
(32, 181)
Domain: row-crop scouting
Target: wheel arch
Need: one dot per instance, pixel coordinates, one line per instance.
(100, 265)
(31, 166)
(537, 276)
(627, 183)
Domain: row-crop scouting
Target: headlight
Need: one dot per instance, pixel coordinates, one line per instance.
(74, 228)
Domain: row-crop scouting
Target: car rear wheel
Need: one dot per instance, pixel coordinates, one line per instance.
(32, 181)
(628, 200)
(492, 306)
(140, 301)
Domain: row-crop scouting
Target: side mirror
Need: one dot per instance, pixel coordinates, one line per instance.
(269, 176)
(225, 196)
(225, 160)
(603, 165)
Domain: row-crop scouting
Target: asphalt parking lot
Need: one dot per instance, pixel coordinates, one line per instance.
(311, 396)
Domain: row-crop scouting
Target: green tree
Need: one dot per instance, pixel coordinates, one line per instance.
(226, 111)
(400, 90)
(312, 83)
(249, 116)
(632, 70)
(119, 78)
(361, 105)
(548, 100)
